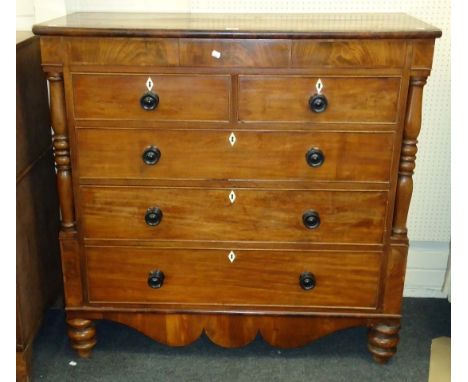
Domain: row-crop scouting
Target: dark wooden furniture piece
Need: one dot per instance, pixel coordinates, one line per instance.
(236, 174)
(38, 274)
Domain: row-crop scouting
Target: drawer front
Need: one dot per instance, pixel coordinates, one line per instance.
(194, 276)
(241, 53)
(350, 99)
(374, 53)
(181, 97)
(124, 51)
(233, 215)
(209, 154)
(256, 53)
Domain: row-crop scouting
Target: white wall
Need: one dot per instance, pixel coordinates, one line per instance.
(29, 12)
(429, 218)
(25, 14)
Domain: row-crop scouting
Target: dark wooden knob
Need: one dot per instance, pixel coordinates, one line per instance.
(149, 101)
(311, 219)
(153, 216)
(318, 103)
(156, 279)
(151, 155)
(315, 157)
(307, 281)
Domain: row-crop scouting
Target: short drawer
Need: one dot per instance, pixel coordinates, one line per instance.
(211, 154)
(288, 98)
(206, 214)
(124, 51)
(234, 53)
(371, 53)
(243, 277)
(179, 97)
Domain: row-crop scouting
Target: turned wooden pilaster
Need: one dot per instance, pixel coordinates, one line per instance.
(61, 150)
(408, 157)
(383, 340)
(82, 334)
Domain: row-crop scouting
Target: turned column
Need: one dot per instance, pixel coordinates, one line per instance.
(61, 150)
(383, 340)
(82, 334)
(81, 331)
(408, 157)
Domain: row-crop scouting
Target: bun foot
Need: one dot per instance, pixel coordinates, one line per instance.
(382, 341)
(82, 334)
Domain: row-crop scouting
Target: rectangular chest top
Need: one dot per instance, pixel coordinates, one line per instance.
(318, 25)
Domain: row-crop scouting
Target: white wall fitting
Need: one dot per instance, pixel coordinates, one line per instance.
(426, 269)
(429, 217)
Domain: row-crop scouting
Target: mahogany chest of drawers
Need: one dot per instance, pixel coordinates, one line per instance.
(235, 174)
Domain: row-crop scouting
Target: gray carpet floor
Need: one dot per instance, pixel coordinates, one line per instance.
(123, 354)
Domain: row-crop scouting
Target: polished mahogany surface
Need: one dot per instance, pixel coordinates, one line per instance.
(395, 25)
(236, 174)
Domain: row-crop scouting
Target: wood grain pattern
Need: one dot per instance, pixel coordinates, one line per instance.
(23, 365)
(71, 267)
(53, 51)
(82, 335)
(234, 53)
(181, 97)
(408, 157)
(348, 53)
(145, 52)
(208, 155)
(256, 215)
(383, 341)
(212, 277)
(256, 25)
(358, 99)
(423, 53)
(61, 150)
(242, 53)
(395, 277)
(372, 67)
(233, 331)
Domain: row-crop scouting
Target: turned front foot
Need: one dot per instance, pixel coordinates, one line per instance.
(82, 334)
(382, 341)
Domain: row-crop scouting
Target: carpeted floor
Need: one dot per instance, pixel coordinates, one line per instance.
(122, 354)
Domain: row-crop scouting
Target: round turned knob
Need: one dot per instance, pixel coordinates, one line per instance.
(318, 103)
(307, 281)
(151, 155)
(315, 157)
(311, 219)
(153, 216)
(149, 101)
(156, 279)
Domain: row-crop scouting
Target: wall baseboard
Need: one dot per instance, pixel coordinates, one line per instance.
(423, 293)
(426, 269)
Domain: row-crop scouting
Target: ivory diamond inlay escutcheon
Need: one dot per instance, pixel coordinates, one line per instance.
(232, 196)
(231, 256)
(149, 84)
(232, 139)
(319, 86)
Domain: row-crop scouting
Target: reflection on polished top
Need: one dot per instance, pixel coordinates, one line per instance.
(318, 25)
